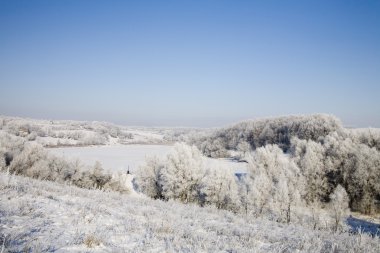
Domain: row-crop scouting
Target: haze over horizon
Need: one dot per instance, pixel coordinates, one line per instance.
(190, 63)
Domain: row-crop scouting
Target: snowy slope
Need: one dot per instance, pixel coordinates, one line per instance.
(45, 216)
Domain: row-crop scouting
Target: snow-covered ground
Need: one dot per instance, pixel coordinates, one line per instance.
(114, 157)
(42, 216)
(233, 165)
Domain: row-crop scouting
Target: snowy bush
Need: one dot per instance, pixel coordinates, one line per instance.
(182, 174)
(339, 207)
(11, 146)
(148, 177)
(120, 182)
(93, 139)
(2, 159)
(310, 157)
(369, 137)
(215, 148)
(219, 188)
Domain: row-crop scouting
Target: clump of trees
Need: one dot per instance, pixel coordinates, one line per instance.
(300, 169)
(327, 154)
(258, 133)
(367, 136)
(339, 160)
(275, 187)
(309, 156)
(185, 176)
(219, 187)
(276, 183)
(32, 160)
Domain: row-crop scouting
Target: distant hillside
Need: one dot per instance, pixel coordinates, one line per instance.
(58, 133)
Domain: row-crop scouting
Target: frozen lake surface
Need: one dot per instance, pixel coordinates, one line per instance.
(120, 157)
(114, 158)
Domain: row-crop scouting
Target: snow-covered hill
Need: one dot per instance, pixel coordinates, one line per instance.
(59, 133)
(41, 216)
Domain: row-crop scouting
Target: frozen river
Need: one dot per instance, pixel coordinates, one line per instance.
(114, 157)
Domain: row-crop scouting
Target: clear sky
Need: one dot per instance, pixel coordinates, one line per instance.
(190, 63)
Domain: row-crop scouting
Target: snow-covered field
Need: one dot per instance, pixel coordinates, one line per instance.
(114, 157)
(120, 157)
(41, 216)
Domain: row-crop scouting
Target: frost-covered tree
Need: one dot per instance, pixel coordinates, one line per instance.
(275, 181)
(219, 188)
(256, 194)
(244, 148)
(356, 167)
(182, 174)
(339, 207)
(148, 177)
(367, 136)
(310, 156)
(363, 179)
(11, 146)
(24, 162)
(214, 148)
(98, 176)
(2, 159)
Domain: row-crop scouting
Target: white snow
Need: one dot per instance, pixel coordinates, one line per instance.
(41, 216)
(114, 157)
(234, 166)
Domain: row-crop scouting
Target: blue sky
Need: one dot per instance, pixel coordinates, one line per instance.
(190, 63)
